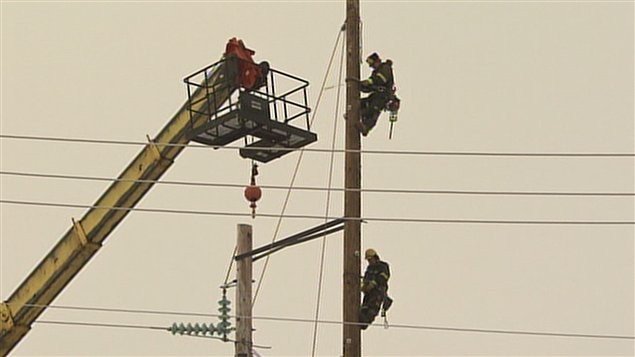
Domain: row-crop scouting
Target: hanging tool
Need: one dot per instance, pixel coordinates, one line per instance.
(393, 108)
(253, 192)
(393, 120)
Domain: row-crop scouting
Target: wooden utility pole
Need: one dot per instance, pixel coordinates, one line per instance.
(352, 182)
(244, 339)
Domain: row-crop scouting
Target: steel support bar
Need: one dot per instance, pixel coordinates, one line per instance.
(291, 240)
(301, 240)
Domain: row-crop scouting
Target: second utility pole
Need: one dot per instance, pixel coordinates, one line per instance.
(244, 340)
(352, 182)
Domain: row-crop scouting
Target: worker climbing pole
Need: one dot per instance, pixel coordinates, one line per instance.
(381, 88)
(375, 289)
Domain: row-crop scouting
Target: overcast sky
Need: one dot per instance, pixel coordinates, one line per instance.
(515, 76)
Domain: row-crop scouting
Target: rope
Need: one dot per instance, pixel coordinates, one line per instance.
(328, 203)
(382, 152)
(297, 167)
(231, 263)
(231, 259)
(361, 41)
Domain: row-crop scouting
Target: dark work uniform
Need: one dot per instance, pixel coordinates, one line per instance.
(380, 86)
(375, 288)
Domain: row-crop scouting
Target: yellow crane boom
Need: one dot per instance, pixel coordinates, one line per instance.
(86, 236)
(204, 118)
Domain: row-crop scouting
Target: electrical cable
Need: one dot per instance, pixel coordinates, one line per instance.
(314, 188)
(331, 322)
(94, 324)
(383, 152)
(297, 167)
(328, 202)
(306, 216)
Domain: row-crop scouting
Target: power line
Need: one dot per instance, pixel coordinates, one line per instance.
(383, 152)
(332, 322)
(315, 188)
(302, 216)
(94, 324)
(144, 327)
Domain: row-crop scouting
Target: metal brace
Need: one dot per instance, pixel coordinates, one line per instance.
(154, 148)
(81, 234)
(6, 318)
(156, 153)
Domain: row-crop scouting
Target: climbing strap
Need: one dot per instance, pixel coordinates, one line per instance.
(383, 314)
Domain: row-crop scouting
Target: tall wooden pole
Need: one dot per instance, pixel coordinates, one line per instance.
(244, 339)
(352, 181)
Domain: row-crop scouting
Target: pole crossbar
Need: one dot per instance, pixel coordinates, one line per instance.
(301, 240)
(297, 238)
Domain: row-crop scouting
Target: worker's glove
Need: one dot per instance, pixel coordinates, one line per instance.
(365, 87)
(368, 286)
(365, 287)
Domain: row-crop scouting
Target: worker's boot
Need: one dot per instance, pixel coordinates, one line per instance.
(387, 303)
(364, 318)
(365, 130)
(362, 128)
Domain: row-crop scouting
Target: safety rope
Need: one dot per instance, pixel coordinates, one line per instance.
(328, 201)
(231, 263)
(297, 166)
(361, 42)
(231, 259)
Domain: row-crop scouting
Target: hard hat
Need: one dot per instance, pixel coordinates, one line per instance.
(370, 253)
(374, 57)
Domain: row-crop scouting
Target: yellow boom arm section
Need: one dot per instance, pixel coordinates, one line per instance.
(86, 236)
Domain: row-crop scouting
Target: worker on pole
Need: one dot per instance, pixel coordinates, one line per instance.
(375, 289)
(381, 86)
